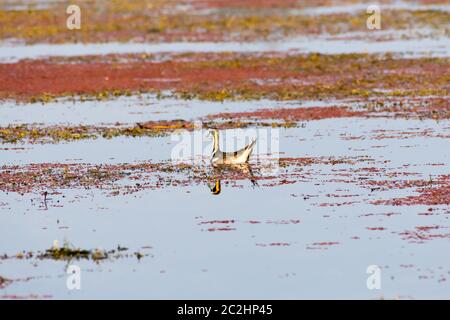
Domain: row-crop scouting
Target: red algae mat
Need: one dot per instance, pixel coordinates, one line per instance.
(105, 158)
(220, 77)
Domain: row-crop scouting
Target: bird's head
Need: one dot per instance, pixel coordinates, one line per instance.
(213, 133)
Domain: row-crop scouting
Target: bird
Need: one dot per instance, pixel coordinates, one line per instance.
(229, 158)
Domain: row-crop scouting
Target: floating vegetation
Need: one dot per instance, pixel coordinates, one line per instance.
(69, 253)
(31, 134)
(228, 76)
(430, 108)
(428, 192)
(120, 179)
(129, 20)
(13, 134)
(66, 253)
(55, 134)
(294, 114)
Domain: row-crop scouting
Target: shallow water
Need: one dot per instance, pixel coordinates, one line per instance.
(435, 47)
(318, 138)
(186, 256)
(362, 7)
(297, 240)
(129, 110)
(308, 228)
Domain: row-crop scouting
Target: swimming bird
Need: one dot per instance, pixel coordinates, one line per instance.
(229, 158)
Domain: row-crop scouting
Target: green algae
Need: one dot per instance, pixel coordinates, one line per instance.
(70, 253)
(156, 21)
(56, 134)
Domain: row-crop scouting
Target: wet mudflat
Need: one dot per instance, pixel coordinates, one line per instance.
(358, 175)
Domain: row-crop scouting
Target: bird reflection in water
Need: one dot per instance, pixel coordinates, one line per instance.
(222, 171)
(216, 189)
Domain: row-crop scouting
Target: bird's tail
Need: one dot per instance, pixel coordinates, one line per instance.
(251, 145)
(249, 148)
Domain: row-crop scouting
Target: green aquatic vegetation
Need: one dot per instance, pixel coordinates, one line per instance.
(43, 98)
(66, 253)
(69, 253)
(337, 90)
(87, 96)
(159, 20)
(56, 134)
(14, 134)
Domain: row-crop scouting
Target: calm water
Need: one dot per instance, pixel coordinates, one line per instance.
(300, 248)
(303, 231)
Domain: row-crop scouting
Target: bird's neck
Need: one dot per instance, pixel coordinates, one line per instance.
(216, 143)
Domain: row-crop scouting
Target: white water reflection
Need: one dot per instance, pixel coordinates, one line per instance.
(129, 110)
(436, 47)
